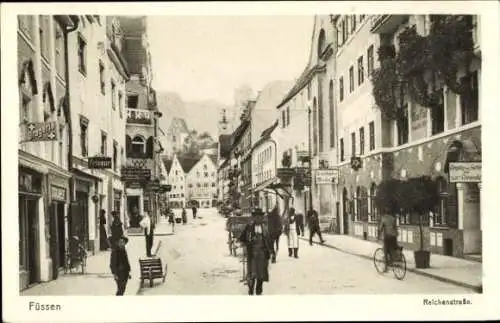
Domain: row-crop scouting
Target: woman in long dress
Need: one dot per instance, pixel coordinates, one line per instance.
(104, 242)
(292, 228)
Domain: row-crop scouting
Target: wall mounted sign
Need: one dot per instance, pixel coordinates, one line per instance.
(29, 184)
(100, 162)
(465, 172)
(57, 193)
(135, 174)
(40, 131)
(327, 176)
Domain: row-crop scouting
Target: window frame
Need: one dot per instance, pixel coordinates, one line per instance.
(361, 141)
(135, 143)
(361, 70)
(351, 79)
(82, 54)
(341, 89)
(371, 127)
(102, 77)
(370, 60)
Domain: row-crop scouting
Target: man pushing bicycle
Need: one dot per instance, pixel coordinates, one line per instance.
(389, 228)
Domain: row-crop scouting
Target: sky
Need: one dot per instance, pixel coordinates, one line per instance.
(207, 57)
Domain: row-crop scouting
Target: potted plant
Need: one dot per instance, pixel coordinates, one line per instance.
(420, 196)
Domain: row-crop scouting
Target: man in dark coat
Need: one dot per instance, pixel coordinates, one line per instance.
(195, 210)
(314, 226)
(256, 238)
(116, 228)
(103, 235)
(120, 266)
(300, 223)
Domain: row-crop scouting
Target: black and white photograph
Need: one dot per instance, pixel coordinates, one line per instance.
(326, 153)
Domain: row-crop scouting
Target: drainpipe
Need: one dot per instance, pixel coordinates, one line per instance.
(66, 31)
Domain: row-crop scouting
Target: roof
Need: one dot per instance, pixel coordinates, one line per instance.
(188, 161)
(267, 132)
(213, 158)
(168, 164)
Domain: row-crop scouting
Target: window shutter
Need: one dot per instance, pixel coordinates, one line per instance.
(128, 145)
(149, 147)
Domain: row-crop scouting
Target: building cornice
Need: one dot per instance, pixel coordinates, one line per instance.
(117, 59)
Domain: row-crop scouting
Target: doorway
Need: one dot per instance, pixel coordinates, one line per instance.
(133, 210)
(57, 237)
(28, 238)
(81, 225)
(345, 207)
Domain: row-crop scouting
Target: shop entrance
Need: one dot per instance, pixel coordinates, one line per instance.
(57, 237)
(133, 210)
(81, 221)
(28, 237)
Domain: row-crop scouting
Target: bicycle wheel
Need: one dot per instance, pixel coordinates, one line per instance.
(379, 260)
(399, 266)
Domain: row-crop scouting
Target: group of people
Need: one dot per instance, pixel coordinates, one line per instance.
(259, 239)
(171, 216)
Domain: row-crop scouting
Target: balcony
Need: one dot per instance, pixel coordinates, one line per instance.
(386, 24)
(139, 116)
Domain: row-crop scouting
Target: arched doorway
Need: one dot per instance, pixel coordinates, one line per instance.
(345, 214)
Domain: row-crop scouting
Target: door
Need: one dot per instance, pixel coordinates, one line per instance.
(337, 217)
(345, 208)
(32, 214)
(82, 229)
(54, 237)
(61, 234)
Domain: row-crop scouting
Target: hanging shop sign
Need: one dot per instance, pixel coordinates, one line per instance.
(327, 176)
(100, 162)
(40, 131)
(356, 163)
(465, 172)
(57, 193)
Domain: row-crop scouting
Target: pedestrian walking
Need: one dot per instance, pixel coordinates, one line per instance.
(292, 230)
(184, 216)
(120, 265)
(147, 225)
(195, 210)
(171, 219)
(256, 238)
(103, 235)
(314, 226)
(116, 228)
(300, 223)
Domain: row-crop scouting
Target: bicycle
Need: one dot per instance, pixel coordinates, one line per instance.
(76, 256)
(398, 262)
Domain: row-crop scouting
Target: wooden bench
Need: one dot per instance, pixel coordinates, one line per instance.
(152, 268)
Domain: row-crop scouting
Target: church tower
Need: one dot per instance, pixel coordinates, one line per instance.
(223, 124)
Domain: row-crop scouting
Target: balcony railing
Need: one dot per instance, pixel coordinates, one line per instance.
(139, 116)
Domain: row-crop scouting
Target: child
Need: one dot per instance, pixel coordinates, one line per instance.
(120, 266)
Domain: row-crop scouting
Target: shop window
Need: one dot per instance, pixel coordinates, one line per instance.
(437, 115)
(440, 212)
(402, 126)
(374, 216)
(470, 106)
(361, 200)
(405, 216)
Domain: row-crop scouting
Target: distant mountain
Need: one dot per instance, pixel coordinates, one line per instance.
(202, 116)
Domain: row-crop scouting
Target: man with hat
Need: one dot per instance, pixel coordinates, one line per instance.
(256, 238)
(119, 265)
(116, 228)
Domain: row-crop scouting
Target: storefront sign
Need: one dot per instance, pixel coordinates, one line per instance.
(40, 131)
(135, 174)
(327, 176)
(57, 193)
(464, 172)
(100, 162)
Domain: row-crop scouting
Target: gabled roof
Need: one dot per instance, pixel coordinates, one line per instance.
(213, 158)
(188, 162)
(168, 164)
(267, 132)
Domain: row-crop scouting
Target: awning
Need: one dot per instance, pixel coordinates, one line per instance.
(265, 184)
(274, 185)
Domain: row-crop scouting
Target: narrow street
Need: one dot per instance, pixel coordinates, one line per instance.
(199, 264)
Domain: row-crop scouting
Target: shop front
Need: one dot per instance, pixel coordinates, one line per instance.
(30, 206)
(58, 194)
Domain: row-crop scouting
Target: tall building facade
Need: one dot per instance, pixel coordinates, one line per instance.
(142, 147)
(201, 182)
(44, 130)
(420, 141)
